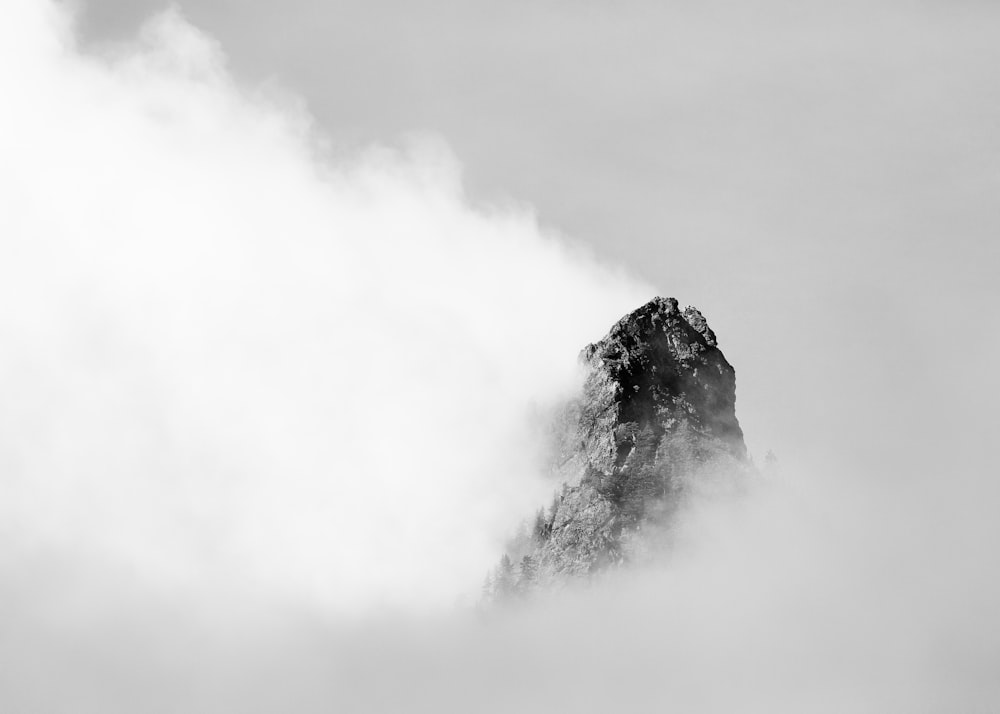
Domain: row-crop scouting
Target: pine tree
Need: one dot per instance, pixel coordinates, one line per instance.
(550, 515)
(528, 574)
(541, 529)
(489, 589)
(504, 580)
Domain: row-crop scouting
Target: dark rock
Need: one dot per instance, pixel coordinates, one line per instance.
(657, 408)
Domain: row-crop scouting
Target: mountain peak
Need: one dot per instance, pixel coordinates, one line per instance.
(648, 324)
(657, 409)
(658, 364)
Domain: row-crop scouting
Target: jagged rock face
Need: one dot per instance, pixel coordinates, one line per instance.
(657, 407)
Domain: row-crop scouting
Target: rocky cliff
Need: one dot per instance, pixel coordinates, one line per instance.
(657, 409)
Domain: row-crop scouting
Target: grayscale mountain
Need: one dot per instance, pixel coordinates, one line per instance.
(655, 414)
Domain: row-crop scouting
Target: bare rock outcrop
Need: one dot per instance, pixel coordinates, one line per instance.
(657, 409)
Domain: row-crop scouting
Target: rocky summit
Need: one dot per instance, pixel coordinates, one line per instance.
(656, 411)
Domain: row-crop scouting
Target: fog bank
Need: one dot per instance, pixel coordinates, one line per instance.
(231, 357)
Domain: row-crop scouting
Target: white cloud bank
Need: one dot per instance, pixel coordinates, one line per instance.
(224, 359)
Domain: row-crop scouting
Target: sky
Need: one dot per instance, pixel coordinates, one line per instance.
(805, 173)
(287, 289)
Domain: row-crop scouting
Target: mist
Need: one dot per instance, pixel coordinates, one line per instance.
(270, 409)
(224, 352)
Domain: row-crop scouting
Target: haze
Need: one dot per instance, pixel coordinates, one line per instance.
(271, 370)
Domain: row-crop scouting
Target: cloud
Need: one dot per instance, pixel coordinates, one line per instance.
(785, 597)
(230, 356)
(257, 391)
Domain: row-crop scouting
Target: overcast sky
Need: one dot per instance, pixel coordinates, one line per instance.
(820, 178)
